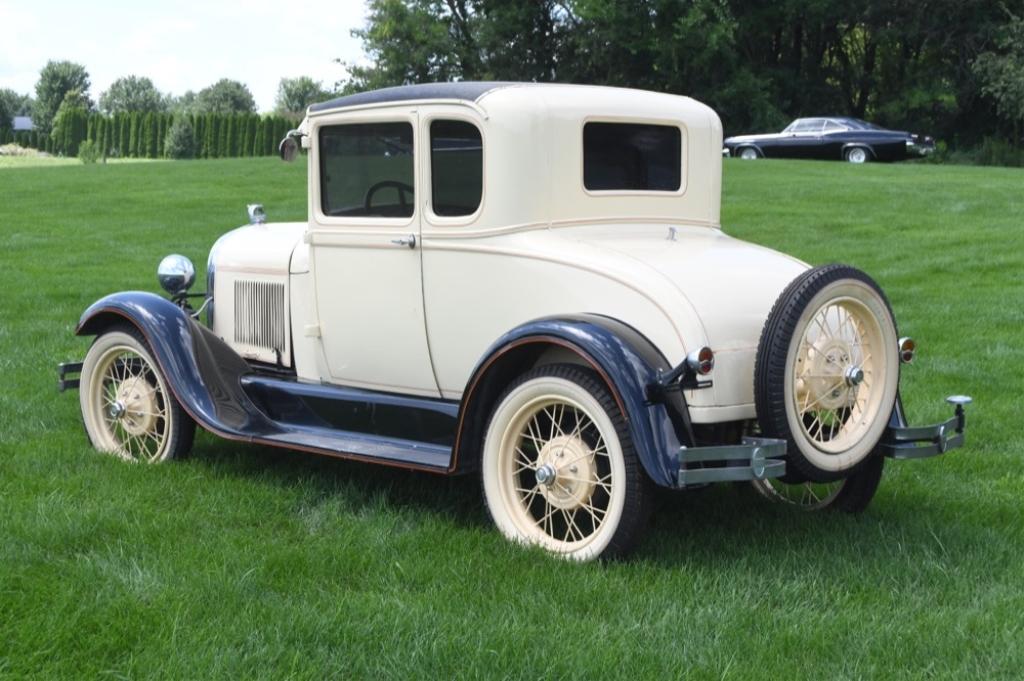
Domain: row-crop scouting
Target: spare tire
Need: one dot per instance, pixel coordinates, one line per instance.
(826, 375)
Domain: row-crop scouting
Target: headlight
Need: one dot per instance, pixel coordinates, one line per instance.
(176, 274)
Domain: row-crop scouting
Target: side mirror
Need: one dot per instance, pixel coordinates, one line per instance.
(289, 147)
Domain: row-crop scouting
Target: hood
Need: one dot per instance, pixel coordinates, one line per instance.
(265, 248)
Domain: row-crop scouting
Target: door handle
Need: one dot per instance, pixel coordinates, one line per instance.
(409, 241)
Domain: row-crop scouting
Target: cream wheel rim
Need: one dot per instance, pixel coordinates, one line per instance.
(841, 374)
(809, 496)
(556, 474)
(835, 375)
(129, 409)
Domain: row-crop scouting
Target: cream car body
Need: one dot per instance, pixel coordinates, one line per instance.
(540, 244)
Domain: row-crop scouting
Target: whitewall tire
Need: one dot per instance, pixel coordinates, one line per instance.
(127, 406)
(559, 470)
(827, 371)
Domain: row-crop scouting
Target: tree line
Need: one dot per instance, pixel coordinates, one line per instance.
(133, 119)
(157, 135)
(950, 68)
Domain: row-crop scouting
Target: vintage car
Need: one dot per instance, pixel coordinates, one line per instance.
(834, 138)
(529, 283)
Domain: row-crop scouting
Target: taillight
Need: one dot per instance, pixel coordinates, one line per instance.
(908, 348)
(701, 361)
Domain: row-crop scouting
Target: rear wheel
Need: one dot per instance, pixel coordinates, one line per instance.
(748, 154)
(559, 469)
(127, 407)
(827, 371)
(857, 155)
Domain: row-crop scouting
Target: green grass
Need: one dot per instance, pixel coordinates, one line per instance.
(245, 562)
(9, 162)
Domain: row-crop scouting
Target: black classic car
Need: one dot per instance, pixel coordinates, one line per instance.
(833, 138)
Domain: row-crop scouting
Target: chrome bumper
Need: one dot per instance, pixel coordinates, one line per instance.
(756, 458)
(902, 441)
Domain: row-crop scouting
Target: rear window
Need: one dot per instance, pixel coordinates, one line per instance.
(632, 156)
(366, 170)
(456, 168)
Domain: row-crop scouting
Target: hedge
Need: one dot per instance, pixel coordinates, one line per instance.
(144, 135)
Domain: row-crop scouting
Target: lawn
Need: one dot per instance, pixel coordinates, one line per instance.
(245, 562)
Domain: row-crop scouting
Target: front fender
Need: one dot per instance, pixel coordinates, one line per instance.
(202, 371)
(624, 359)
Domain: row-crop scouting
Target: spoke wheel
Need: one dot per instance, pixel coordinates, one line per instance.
(827, 371)
(851, 494)
(559, 469)
(127, 407)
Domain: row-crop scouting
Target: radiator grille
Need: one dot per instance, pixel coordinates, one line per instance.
(259, 314)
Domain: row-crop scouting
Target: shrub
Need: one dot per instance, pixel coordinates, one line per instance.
(179, 142)
(89, 152)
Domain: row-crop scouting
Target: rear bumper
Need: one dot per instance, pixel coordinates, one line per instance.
(903, 441)
(756, 458)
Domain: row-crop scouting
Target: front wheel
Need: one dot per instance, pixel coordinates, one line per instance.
(127, 407)
(559, 469)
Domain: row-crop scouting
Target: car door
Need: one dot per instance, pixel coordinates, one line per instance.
(364, 250)
(805, 139)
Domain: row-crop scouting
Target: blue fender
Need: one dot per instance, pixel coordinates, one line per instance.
(624, 358)
(201, 370)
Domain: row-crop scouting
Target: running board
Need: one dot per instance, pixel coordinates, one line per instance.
(349, 445)
(353, 423)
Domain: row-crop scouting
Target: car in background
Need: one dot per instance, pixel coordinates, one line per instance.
(832, 138)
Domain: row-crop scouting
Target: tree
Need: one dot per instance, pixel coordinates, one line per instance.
(132, 93)
(17, 105)
(294, 95)
(179, 142)
(6, 116)
(1002, 74)
(183, 104)
(223, 97)
(906, 65)
(55, 80)
(70, 124)
(133, 134)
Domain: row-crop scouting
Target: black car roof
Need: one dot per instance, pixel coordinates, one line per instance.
(467, 90)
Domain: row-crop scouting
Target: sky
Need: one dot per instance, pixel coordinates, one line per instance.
(181, 45)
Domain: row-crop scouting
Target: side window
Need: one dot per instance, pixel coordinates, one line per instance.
(456, 168)
(632, 156)
(808, 125)
(366, 170)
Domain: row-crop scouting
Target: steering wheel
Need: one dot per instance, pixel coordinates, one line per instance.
(402, 188)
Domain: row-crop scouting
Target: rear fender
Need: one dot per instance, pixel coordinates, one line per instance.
(624, 359)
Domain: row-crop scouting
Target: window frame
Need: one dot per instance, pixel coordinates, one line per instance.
(426, 119)
(357, 118)
(684, 152)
